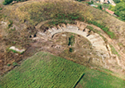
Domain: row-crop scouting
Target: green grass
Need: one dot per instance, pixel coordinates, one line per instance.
(97, 79)
(44, 70)
(114, 51)
(103, 27)
(61, 11)
(1, 8)
(92, 29)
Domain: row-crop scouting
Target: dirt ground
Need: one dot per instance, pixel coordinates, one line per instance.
(1, 1)
(82, 53)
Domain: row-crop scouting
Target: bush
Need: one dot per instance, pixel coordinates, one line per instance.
(70, 49)
(7, 2)
(15, 64)
(14, 51)
(116, 1)
(111, 34)
(8, 64)
(105, 29)
(4, 3)
(10, 23)
(100, 7)
(89, 3)
(80, 0)
(71, 40)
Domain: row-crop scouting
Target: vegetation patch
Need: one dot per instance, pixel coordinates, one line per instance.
(71, 40)
(44, 70)
(6, 2)
(97, 79)
(71, 49)
(104, 28)
(91, 28)
(10, 23)
(62, 10)
(113, 50)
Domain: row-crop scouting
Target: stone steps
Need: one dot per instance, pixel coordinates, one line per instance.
(95, 39)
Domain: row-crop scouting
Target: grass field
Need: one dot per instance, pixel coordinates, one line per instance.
(44, 70)
(97, 79)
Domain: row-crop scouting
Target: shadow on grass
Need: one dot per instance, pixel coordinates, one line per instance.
(79, 80)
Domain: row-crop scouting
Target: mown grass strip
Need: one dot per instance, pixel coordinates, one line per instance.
(96, 79)
(79, 80)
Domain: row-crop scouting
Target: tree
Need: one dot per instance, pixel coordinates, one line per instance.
(100, 7)
(119, 7)
(122, 15)
(112, 8)
(80, 0)
(116, 1)
(7, 2)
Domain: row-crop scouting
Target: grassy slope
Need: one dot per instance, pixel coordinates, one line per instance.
(44, 70)
(36, 12)
(97, 79)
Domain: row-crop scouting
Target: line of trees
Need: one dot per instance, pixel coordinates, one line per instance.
(6, 2)
(120, 10)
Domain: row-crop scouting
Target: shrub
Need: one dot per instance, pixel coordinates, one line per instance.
(14, 51)
(7, 2)
(100, 7)
(80, 0)
(89, 3)
(71, 40)
(10, 23)
(8, 64)
(15, 64)
(111, 34)
(105, 29)
(70, 49)
(116, 1)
